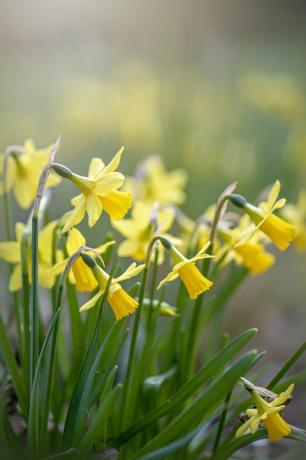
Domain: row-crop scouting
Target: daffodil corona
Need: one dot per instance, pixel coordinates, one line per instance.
(121, 302)
(268, 413)
(140, 228)
(280, 232)
(99, 191)
(80, 274)
(194, 281)
(24, 166)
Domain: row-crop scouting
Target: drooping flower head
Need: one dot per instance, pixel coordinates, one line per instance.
(268, 414)
(10, 251)
(152, 183)
(120, 301)
(249, 252)
(296, 215)
(80, 274)
(145, 221)
(280, 232)
(99, 192)
(186, 270)
(24, 166)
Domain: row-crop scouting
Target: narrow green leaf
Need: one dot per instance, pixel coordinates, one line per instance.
(291, 361)
(215, 365)
(34, 411)
(210, 397)
(10, 361)
(98, 422)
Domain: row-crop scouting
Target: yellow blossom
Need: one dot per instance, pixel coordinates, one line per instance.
(80, 274)
(99, 191)
(121, 302)
(277, 229)
(249, 252)
(268, 413)
(140, 228)
(10, 251)
(24, 167)
(296, 214)
(154, 184)
(186, 269)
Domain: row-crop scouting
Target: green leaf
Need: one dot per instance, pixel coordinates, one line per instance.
(34, 411)
(229, 448)
(291, 361)
(97, 425)
(10, 361)
(212, 368)
(210, 397)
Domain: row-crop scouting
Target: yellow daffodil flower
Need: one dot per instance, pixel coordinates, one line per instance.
(268, 413)
(296, 214)
(186, 269)
(80, 274)
(140, 228)
(23, 170)
(120, 301)
(10, 251)
(251, 252)
(154, 184)
(277, 229)
(99, 191)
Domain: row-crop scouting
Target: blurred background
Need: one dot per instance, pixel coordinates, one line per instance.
(215, 87)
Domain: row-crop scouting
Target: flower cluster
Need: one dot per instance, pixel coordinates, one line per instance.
(153, 213)
(164, 246)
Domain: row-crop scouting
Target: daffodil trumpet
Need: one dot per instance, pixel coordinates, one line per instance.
(280, 232)
(99, 191)
(120, 301)
(186, 270)
(266, 413)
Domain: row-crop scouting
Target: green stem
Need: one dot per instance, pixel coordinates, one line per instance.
(34, 319)
(287, 366)
(126, 398)
(26, 304)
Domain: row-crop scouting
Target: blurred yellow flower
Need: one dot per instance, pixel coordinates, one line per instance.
(277, 94)
(121, 302)
(153, 184)
(186, 269)
(99, 191)
(277, 229)
(24, 167)
(145, 221)
(80, 274)
(10, 251)
(269, 415)
(251, 252)
(296, 214)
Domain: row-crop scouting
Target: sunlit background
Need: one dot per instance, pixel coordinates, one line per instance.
(215, 87)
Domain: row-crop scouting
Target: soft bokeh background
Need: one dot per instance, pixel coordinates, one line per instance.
(215, 87)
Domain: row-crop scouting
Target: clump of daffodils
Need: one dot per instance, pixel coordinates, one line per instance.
(86, 378)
